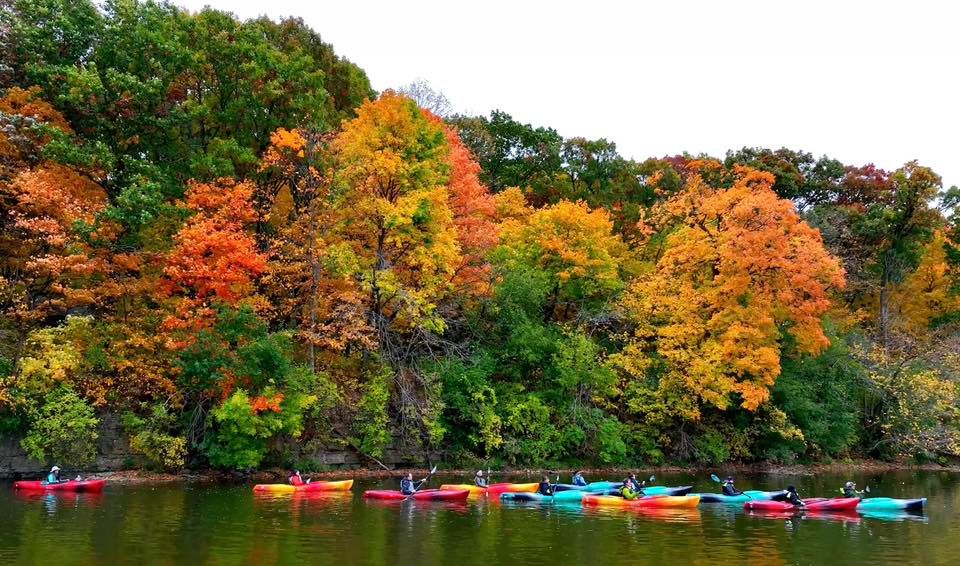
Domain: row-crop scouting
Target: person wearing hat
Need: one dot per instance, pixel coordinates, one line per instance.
(578, 479)
(729, 488)
(850, 490)
(479, 480)
(54, 475)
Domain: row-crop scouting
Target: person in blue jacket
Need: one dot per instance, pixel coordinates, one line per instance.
(634, 484)
(407, 485)
(545, 488)
(54, 475)
(578, 479)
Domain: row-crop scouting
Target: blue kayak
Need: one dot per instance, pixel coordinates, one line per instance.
(890, 504)
(751, 495)
(570, 496)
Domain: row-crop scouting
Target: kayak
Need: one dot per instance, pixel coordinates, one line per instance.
(497, 488)
(813, 504)
(571, 496)
(425, 495)
(72, 485)
(751, 495)
(659, 501)
(343, 485)
(890, 504)
(473, 489)
(612, 487)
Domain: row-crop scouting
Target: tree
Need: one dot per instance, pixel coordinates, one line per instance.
(215, 259)
(735, 273)
(427, 98)
(574, 246)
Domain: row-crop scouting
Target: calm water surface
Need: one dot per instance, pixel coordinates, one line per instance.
(201, 524)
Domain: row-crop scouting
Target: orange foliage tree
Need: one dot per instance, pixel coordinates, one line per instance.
(733, 272)
(215, 258)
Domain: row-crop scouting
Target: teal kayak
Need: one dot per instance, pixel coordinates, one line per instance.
(746, 496)
(890, 504)
(572, 496)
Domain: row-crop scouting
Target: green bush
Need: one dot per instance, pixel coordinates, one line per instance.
(63, 430)
(241, 433)
(372, 424)
(152, 438)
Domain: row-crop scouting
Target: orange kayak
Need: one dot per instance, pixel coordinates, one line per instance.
(657, 501)
(498, 488)
(474, 490)
(343, 485)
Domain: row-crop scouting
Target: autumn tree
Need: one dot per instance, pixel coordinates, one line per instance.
(735, 274)
(215, 259)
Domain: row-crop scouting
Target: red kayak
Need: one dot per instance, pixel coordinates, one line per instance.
(425, 495)
(813, 504)
(95, 486)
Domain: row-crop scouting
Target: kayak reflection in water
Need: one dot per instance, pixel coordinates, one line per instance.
(729, 488)
(627, 491)
(850, 490)
(479, 480)
(578, 479)
(54, 475)
(545, 488)
(791, 496)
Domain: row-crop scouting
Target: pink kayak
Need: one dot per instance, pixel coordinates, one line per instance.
(813, 504)
(71, 485)
(424, 495)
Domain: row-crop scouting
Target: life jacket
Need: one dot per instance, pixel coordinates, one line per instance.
(407, 487)
(544, 488)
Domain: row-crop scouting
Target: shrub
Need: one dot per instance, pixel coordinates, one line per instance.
(64, 430)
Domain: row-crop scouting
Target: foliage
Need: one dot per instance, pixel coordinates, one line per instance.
(151, 436)
(64, 429)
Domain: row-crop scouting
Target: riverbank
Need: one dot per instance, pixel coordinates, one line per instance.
(276, 475)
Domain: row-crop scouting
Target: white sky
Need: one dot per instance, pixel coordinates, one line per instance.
(860, 81)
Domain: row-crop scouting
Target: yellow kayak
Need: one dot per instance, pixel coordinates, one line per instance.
(474, 490)
(658, 501)
(343, 485)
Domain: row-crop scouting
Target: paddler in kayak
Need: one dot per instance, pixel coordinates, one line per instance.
(54, 475)
(850, 490)
(408, 486)
(790, 496)
(544, 488)
(626, 490)
(296, 479)
(578, 479)
(634, 484)
(729, 488)
(479, 480)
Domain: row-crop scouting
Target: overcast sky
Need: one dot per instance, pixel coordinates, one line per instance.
(859, 81)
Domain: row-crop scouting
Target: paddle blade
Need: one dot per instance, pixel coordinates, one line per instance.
(433, 471)
(715, 478)
(867, 489)
(653, 479)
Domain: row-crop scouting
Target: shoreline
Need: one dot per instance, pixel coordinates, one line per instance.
(274, 475)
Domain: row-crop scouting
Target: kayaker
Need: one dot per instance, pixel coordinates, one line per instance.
(479, 480)
(295, 478)
(578, 479)
(634, 484)
(407, 485)
(790, 496)
(850, 490)
(545, 488)
(626, 490)
(729, 488)
(54, 475)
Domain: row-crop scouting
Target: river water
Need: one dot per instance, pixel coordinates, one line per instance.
(228, 524)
